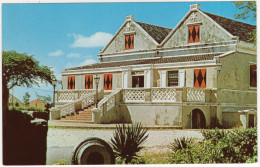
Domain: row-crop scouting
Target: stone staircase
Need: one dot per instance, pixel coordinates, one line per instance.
(84, 115)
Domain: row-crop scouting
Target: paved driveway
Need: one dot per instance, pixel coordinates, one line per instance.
(61, 141)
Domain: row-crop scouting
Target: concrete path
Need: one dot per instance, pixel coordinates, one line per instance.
(64, 136)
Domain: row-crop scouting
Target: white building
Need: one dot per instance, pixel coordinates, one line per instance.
(199, 74)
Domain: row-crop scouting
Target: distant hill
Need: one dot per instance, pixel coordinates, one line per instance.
(38, 103)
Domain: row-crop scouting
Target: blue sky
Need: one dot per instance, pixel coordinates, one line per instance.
(69, 35)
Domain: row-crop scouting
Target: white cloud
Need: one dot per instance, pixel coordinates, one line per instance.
(86, 62)
(96, 40)
(56, 53)
(73, 55)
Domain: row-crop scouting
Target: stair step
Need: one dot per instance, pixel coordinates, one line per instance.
(82, 115)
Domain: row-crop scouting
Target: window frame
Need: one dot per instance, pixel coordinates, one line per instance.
(250, 75)
(168, 79)
(129, 35)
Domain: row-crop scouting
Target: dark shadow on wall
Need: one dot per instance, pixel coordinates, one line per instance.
(24, 143)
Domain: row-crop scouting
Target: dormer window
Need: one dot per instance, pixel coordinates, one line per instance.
(194, 34)
(129, 42)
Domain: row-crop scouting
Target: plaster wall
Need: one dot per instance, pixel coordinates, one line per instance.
(141, 41)
(209, 32)
(161, 114)
(64, 82)
(235, 71)
(232, 119)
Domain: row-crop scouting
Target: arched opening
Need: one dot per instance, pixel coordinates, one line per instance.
(198, 119)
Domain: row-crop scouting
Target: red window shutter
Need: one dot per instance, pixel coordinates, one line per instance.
(194, 34)
(129, 42)
(71, 82)
(89, 82)
(132, 42)
(190, 32)
(126, 42)
(200, 78)
(108, 81)
(253, 76)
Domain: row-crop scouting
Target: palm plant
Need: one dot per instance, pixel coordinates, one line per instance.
(181, 143)
(128, 141)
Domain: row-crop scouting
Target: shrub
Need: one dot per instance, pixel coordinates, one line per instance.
(219, 146)
(127, 141)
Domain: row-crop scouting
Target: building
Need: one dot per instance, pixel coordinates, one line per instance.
(38, 103)
(199, 74)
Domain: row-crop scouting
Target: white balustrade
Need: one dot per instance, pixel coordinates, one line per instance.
(84, 93)
(134, 95)
(194, 94)
(163, 94)
(65, 95)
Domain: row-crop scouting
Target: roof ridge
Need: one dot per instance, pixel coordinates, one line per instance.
(153, 25)
(228, 18)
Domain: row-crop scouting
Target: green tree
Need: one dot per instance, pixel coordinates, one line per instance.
(26, 98)
(248, 12)
(20, 69)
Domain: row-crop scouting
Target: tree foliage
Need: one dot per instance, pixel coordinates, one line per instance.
(26, 98)
(248, 8)
(20, 69)
(248, 12)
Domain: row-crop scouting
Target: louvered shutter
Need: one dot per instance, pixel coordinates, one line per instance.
(129, 42)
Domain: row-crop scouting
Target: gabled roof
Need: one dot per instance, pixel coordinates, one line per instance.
(199, 57)
(236, 28)
(156, 32)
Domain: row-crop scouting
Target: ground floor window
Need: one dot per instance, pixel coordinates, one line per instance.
(253, 75)
(108, 81)
(199, 78)
(71, 82)
(173, 78)
(137, 81)
(89, 82)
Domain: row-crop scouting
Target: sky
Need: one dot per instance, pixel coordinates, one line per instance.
(67, 35)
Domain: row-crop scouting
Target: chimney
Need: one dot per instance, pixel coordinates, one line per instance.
(130, 17)
(195, 6)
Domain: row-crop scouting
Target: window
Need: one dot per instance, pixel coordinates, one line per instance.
(253, 75)
(71, 82)
(137, 81)
(173, 78)
(89, 82)
(108, 81)
(194, 34)
(200, 78)
(129, 42)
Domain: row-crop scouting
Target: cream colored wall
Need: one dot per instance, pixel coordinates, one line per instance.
(209, 32)
(64, 82)
(156, 78)
(235, 71)
(141, 42)
(161, 114)
(117, 81)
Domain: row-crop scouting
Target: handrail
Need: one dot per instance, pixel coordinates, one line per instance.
(104, 100)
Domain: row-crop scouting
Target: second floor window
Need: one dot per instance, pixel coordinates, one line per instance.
(194, 34)
(108, 81)
(129, 42)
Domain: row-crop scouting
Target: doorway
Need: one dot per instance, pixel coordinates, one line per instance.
(198, 119)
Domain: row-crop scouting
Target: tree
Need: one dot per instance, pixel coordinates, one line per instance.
(20, 69)
(248, 11)
(26, 98)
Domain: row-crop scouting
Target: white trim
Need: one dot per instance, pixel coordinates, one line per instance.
(195, 46)
(225, 54)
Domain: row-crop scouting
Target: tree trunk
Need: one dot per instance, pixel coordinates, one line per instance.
(5, 98)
